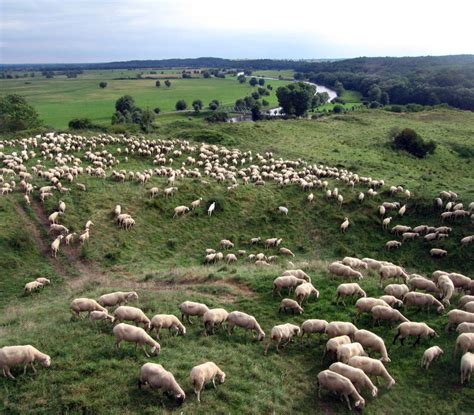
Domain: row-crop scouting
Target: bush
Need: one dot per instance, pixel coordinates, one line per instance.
(16, 114)
(80, 124)
(103, 85)
(181, 105)
(217, 116)
(374, 105)
(338, 109)
(157, 110)
(409, 140)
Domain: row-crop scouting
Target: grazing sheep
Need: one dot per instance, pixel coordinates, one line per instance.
(226, 244)
(372, 341)
(413, 329)
(21, 355)
(357, 376)
(282, 333)
(372, 367)
(32, 286)
(406, 236)
(392, 301)
(212, 318)
(83, 237)
(339, 328)
(157, 377)
(117, 298)
(345, 225)
(298, 273)
(465, 342)
(354, 263)
(288, 281)
(100, 315)
(230, 258)
(58, 228)
(349, 290)
(467, 367)
(286, 251)
(422, 300)
(446, 286)
(467, 240)
(334, 382)
(465, 299)
(460, 281)
(431, 354)
(246, 321)
(341, 270)
(386, 222)
(55, 245)
(132, 334)
(53, 217)
(127, 313)
(195, 204)
(392, 245)
(465, 328)
(392, 271)
(304, 291)
(417, 282)
(79, 305)
(254, 241)
(204, 373)
(366, 304)
(283, 209)
(272, 242)
(180, 210)
(387, 314)
(346, 351)
(289, 304)
(166, 321)
(456, 317)
(438, 253)
(333, 344)
(313, 326)
(44, 281)
(190, 308)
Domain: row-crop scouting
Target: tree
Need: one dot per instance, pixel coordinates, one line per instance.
(217, 116)
(168, 83)
(374, 93)
(242, 79)
(240, 105)
(256, 113)
(157, 110)
(409, 140)
(16, 114)
(338, 109)
(214, 104)
(197, 105)
(295, 99)
(253, 81)
(181, 105)
(261, 81)
(265, 103)
(206, 74)
(125, 104)
(146, 121)
(255, 95)
(103, 84)
(385, 98)
(269, 87)
(157, 84)
(80, 124)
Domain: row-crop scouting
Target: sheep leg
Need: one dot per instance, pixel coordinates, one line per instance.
(198, 393)
(24, 369)
(33, 367)
(144, 349)
(7, 373)
(396, 337)
(348, 402)
(417, 341)
(214, 382)
(267, 347)
(117, 344)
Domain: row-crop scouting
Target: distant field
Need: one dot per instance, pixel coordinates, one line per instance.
(275, 73)
(59, 100)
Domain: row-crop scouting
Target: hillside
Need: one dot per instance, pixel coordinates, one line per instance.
(161, 258)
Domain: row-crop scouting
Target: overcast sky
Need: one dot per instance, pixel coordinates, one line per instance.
(46, 31)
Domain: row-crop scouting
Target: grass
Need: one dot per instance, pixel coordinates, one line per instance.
(59, 100)
(161, 259)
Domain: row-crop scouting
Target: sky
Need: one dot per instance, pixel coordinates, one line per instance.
(73, 31)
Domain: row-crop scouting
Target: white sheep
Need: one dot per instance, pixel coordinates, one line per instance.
(467, 367)
(392, 271)
(396, 290)
(446, 286)
(357, 376)
(345, 225)
(392, 245)
(372, 367)
(346, 351)
(117, 298)
(465, 342)
(21, 355)
(456, 317)
(341, 270)
(196, 203)
(180, 210)
(418, 282)
(312, 326)
(166, 321)
(100, 315)
(230, 258)
(354, 263)
(304, 291)
(226, 244)
(211, 209)
(387, 314)
(32, 286)
(289, 304)
(392, 301)
(349, 290)
(286, 251)
(212, 318)
(190, 308)
(422, 300)
(386, 222)
(339, 328)
(44, 281)
(55, 246)
(246, 321)
(283, 209)
(79, 305)
(431, 354)
(413, 329)
(288, 281)
(334, 382)
(298, 273)
(127, 313)
(132, 334)
(282, 333)
(366, 304)
(438, 253)
(465, 328)
(157, 377)
(372, 341)
(204, 373)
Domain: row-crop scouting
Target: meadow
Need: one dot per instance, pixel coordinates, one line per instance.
(161, 258)
(58, 100)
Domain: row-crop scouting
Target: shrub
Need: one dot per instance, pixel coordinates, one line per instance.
(103, 85)
(16, 114)
(338, 109)
(217, 116)
(409, 140)
(157, 110)
(80, 124)
(374, 105)
(181, 105)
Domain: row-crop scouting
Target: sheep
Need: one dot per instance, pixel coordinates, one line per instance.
(280, 333)
(417, 330)
(438, 253)
(127, 313)
(81, 186)
(341, 270)
(313, 326)
(83, 237)
(345, 225)
(422, 300)
(79, 305)
(157, 377)
(339, 328)
(399, 229)
(349, 290)
(288, 281)
(418, 282)
(460, 281)
(166, 321)
(386, 222)
(467, 367)
(100, 315)
(190, 308)
(465, 328)
(153, 192)
(431, 354)
(334, 382)
(446, 286)
(32, 286)
(204, 373)
(55, 246)
(310, 198)
(289, 304)
(254, 241)
(298, 273)
(406, 236)
(117, 298)
(132, 334)
(402, 210)
(62, 206)
(196, 203)
(44, 281)
(372, 367)
(366, 304)
(230, 258)
(53, 217)
(246, 321)
(286, 251)
(465, 299)
(211, 208)
(392, 271)
(333, 344)
(372, 341)
(58, 228)
(392, 245)
(226, 244)
(89, 223)
(262, 263)
(467, 240)
(459, 316)
(392, 301)
(21, 355)
(272, 242)
(212, 318)
(357, 376)
(354, 263)
(304, 291)
(465, 342)
(283, 209)
(346, 351)
(180, 210)
(387, 314)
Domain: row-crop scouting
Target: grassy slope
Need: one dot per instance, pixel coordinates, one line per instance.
(160, 258)
(59, 100)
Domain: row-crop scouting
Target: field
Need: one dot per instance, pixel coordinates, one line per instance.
(161, 258)
(60, 99)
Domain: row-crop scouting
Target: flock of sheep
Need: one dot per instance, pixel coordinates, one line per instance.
(347, 377)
